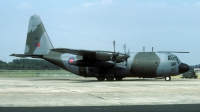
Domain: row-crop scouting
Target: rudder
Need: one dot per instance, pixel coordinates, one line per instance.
(37, 42)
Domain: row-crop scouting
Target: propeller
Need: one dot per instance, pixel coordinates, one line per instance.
(127, 55)
(128, 52)
(114, 55)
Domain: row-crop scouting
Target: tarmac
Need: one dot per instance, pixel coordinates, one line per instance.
(74, 92)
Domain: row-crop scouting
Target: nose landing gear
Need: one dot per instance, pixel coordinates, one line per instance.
(167, 78)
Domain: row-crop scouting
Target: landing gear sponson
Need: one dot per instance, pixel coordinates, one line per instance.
(167, 78)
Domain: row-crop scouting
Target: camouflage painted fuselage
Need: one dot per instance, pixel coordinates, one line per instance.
(141, 64)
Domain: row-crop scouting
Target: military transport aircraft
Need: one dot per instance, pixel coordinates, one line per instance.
(103, 65)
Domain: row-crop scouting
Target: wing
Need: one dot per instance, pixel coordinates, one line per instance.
(87, 54)
(94, 55)
(26, 55)
(74, 51)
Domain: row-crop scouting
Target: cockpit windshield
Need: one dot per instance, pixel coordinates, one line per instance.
(173, 57)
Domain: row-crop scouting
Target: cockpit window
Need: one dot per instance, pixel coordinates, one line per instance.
(177, 59)
(173, 57)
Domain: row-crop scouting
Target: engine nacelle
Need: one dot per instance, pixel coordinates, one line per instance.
(103, 56)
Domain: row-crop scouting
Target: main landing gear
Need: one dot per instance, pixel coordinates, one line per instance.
(101, 78)
(118, 78)
(167, 78)
(109, 78)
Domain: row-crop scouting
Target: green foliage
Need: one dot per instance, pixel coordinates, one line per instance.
(28, 64)
(197, 66)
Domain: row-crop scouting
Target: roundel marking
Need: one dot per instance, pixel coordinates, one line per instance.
(71, 60)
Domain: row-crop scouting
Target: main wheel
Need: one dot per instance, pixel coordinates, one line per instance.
(109, 78)
(101, 78)
(118, 78)
(167, 78)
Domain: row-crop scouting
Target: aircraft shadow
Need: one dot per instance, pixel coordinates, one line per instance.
(78, 80)
(125, 80)
(50, 79)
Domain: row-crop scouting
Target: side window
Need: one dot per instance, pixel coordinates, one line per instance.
(156, 62)
(173, 63)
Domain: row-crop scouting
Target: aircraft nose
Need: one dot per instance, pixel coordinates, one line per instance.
(183, 68)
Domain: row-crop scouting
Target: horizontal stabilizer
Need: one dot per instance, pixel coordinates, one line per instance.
(26, 55)
(169, 52)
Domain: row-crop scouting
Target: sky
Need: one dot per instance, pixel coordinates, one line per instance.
(165, 25)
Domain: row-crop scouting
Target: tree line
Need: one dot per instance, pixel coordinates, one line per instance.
(194, 66)
(28, 64)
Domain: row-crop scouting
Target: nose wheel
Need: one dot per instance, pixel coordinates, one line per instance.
(167, 78)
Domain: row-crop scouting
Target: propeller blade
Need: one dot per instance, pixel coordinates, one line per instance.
(114, 45)
(126, 59)
(114, 55)
(128, 52)
(125, 48)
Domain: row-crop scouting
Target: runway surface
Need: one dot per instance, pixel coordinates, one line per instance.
(67, 92)
(133, 108)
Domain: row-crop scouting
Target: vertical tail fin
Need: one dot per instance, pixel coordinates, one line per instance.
(38, 42)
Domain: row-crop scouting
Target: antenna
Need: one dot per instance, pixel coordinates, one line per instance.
(125, 48)
(143, 49)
